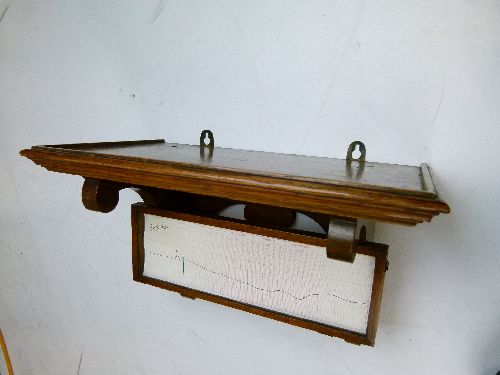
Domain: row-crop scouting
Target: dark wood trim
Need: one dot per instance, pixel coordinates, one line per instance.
(381, 264)
(84, 150)
(315, 239)
(94, 145)
(379, 251)
(387, 198)
(137, 228)
(343, 201)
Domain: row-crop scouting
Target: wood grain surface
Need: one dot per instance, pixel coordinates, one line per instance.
(365, 190)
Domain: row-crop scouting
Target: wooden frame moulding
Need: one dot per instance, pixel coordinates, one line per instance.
(345, 188)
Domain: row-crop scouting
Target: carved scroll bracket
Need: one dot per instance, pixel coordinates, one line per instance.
(100, 196)
(103, 196)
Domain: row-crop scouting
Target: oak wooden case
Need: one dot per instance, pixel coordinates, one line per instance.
(196, 182)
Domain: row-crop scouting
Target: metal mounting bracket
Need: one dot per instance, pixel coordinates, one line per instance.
(207, 134)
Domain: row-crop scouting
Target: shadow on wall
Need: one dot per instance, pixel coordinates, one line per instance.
(489, 353)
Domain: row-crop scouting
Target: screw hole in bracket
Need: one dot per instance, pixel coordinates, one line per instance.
(352, 148)
(203, 136)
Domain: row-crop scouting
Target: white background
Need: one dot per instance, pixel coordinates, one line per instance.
(417, 81)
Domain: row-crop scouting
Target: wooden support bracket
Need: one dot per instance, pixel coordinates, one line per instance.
(100, 196)
(103, 196)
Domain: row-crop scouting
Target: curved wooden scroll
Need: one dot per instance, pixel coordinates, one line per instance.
(100, 196)
(103, 196)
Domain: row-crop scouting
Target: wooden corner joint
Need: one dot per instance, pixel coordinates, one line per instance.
(340, 244)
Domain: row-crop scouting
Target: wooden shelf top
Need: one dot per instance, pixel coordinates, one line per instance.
(368, 190)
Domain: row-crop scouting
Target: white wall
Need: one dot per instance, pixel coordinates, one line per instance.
(417, 81)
